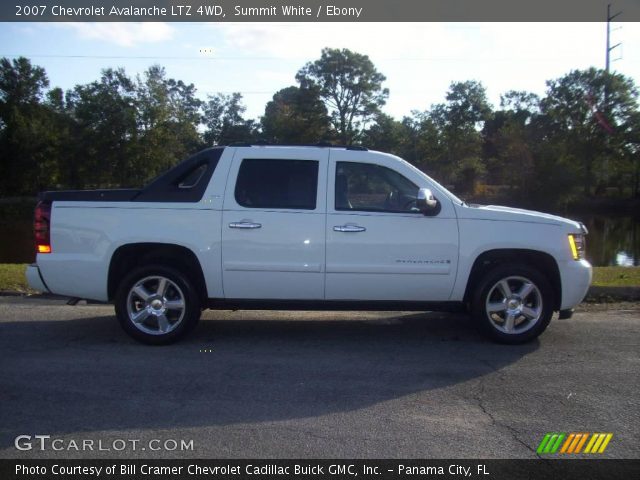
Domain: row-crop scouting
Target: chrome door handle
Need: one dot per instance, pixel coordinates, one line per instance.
(244, 225)
(348, 228)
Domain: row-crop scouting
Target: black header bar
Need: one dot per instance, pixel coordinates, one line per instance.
(315, 10)
(339, 469)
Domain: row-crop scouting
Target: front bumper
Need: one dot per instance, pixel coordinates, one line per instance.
(34, 278)
(576, 278)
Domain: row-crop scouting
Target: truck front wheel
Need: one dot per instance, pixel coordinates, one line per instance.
(513, 303)
(157, 305)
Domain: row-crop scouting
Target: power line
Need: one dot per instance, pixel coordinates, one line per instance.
(154, 57)
(296, 59)
(209, 92)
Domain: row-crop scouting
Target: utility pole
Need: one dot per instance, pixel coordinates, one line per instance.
(607, 107)
(608, 58)
(609, 47)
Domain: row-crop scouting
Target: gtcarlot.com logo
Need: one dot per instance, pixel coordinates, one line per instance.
(574, 443)
(46, 442)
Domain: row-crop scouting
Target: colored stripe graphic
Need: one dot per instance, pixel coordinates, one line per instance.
(606, 442)
(598, 442)
(551, 442)
(567, 442)
(581, 443)
(543, 443)
(591, 442)
(555, 447)
(573, 443)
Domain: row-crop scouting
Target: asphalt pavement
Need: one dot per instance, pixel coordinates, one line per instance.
(311, 385)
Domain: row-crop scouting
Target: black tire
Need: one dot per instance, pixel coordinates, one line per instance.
(488, 294)
(178, 289)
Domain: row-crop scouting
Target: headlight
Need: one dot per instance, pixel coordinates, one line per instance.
(577, 245)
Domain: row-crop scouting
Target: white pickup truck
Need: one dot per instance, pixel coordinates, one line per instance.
(318, 227)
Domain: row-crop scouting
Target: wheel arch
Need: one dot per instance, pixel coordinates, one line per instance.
(132, 255)
(541, 261)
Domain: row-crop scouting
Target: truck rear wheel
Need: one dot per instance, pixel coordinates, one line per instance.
(157, 305)
(513, 303)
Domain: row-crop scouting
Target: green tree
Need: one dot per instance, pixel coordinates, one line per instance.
(467, 105)
(634, 153)
(350, 86)
(168, 118)
(508, 149)
(385, 134)
(401, 138)
(224, 121)
(521, 102)
(451, 135)
(105, 116)
(25, 128)
(592, 116)
(61, 146)
(295, 115)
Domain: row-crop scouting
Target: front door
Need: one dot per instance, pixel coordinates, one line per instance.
(379, 246)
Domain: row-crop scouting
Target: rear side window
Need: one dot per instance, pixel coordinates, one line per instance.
(271, 183)
(186, 182)
(192, 178)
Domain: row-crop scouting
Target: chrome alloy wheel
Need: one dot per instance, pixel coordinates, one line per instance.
(514, 305)
(155, 305)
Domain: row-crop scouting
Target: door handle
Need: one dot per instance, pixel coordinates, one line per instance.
(348, 228)
(246, 225)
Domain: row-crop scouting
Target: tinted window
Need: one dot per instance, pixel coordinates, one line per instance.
(175, 185)
(369, 187)
(192, 178)
(277, 184)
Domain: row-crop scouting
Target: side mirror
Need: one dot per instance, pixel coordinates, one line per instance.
(426, 202)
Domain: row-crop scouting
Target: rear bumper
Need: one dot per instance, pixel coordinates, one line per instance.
(576, 279)
(34, 278)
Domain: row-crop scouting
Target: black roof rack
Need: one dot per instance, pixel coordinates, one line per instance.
(263, 143)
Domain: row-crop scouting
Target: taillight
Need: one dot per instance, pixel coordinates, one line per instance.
(42, 226)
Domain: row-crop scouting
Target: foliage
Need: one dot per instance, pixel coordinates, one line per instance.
(296, 115)
(595, 114)
(223, 117)
(350, 86)
(25, 126)
(104, 128)
(113, 132)
(450, 140)
(168, 114)
(580, 140)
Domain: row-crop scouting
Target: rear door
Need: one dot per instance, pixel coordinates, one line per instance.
(273, 227)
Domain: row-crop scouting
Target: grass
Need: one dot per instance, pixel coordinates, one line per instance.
(12, 277)
(616, 276)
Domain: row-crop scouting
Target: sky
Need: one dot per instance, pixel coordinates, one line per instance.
(420, 60)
